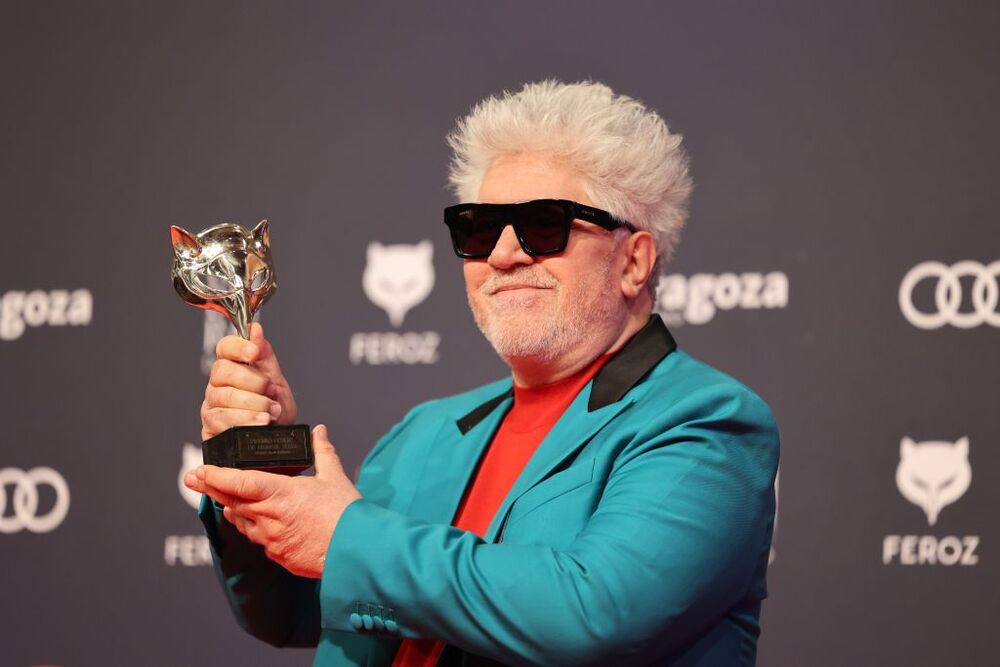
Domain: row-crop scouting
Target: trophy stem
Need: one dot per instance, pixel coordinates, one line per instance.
(240, 316)
(243, 329)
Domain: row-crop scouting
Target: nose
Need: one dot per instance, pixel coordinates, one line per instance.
(508, 252)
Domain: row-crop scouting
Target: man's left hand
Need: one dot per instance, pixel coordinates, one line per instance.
(293, 518)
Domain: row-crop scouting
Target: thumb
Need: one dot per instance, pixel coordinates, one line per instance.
(257, 338)
(265, 359)
(325, 455)
(256, 332)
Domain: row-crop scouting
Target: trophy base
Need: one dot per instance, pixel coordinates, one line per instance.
(286, 450)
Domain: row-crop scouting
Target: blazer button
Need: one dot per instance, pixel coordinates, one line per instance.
(368, 622)
(391, 626)
(379, 623)
(356, 621)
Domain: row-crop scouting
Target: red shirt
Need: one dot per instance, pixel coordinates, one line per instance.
(534, 413)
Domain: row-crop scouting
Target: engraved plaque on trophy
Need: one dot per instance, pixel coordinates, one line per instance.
(228, 268)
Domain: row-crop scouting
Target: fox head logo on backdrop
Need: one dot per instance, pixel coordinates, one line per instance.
(933, 474)
(398, 277)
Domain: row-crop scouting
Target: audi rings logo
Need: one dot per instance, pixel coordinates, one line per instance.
(948, 295)
(25, 494)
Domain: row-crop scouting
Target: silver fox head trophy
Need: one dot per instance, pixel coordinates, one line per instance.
(225, 268)
(228, 269)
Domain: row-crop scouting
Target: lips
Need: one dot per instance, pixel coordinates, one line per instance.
(508, 288)
(524, 279)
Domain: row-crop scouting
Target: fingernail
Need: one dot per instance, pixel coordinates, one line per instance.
(199, 472)
(275, 410)
(250, 352)
(263, 417)
(190, 480)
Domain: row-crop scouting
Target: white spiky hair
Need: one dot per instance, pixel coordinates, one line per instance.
(632, 165)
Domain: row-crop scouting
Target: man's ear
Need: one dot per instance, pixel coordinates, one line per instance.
(640, 250)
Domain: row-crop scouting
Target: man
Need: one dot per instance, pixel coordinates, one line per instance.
(609, 503)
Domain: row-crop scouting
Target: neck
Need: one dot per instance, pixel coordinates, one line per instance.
(534, 371)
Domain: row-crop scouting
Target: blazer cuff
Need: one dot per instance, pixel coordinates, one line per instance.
(362, 551)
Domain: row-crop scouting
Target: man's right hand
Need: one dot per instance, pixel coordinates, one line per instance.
(246, 386)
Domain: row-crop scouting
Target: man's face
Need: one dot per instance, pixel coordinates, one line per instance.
(545, 308)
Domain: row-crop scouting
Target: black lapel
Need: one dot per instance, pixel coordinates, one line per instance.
(468, 422)
(643, 351)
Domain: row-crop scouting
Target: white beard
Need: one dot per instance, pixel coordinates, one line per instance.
(517, 332)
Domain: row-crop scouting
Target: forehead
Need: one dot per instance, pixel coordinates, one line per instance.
(526, 176)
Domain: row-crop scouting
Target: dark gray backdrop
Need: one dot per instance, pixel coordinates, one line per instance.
(837, 145)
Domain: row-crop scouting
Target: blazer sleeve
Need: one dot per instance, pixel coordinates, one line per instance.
(674, 543)
(268, 601)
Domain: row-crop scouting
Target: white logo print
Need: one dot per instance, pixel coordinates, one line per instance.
(187, 550)
(25, 500)
(948, 295)
(33, 309)
(933, 474)
(398, 277)
(695, 300)
(190, 459)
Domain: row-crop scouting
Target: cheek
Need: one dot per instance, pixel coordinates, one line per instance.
(585, 284)
(475, 275)
(563, 271)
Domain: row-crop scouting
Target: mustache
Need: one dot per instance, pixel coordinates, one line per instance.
(525, 276)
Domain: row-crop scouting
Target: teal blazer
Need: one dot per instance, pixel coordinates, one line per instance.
(638, 533)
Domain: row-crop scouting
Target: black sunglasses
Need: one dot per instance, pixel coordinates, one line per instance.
(541, 225)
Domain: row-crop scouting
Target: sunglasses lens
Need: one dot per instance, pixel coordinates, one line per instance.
(475, 231)
(543, 228)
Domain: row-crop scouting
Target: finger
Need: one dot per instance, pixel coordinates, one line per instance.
(236, 349)
(220, 497)
(223, 499)
(195, 480)
(265, 360)
(243, 524)
(244, 484)
(327, 461)
(226, 373)
(217, 420)
(231, 397)
(252, 529)
(242, 509)
(192, 482)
